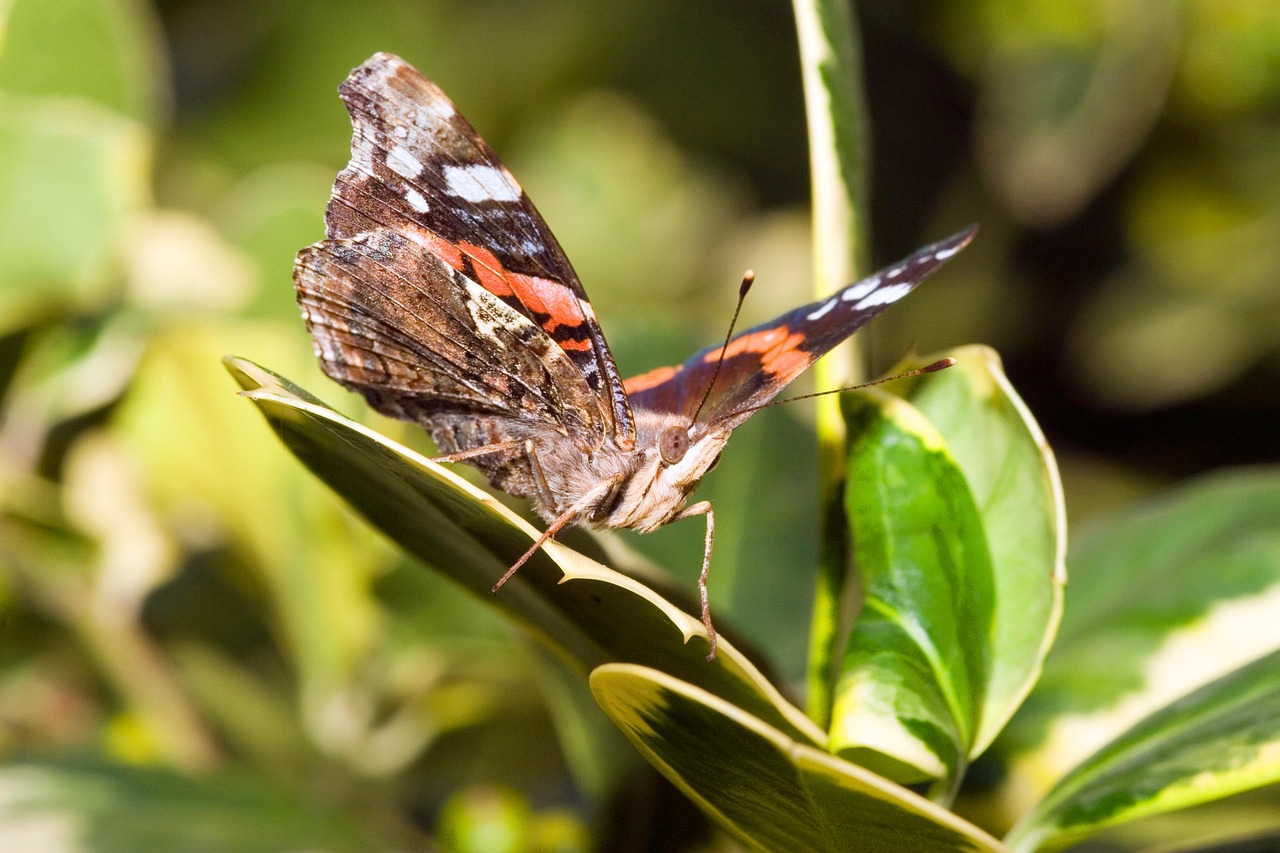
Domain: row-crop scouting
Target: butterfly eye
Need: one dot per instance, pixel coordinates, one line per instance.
(673, 444)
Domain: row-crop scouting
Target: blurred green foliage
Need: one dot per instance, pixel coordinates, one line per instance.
(180, 601)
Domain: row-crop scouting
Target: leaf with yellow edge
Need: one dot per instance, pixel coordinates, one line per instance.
(590, 613)
(765, 789)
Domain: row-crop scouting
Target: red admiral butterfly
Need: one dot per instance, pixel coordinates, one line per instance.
(442, 297)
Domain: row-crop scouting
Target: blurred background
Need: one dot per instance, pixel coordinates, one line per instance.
(195, 633)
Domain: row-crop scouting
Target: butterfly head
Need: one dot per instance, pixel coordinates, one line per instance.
(670, 459)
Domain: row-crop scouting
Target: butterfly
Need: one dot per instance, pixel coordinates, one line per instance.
(441, 296)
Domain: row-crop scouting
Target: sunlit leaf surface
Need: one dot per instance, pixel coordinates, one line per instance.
(1164, 598)
(768, 791)
(957, 518)
(998, 446)
(1221, 739)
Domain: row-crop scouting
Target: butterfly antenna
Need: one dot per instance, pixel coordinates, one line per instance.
(748, 278)
(940, 364)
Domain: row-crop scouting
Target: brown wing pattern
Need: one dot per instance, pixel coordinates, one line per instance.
(761, 361)
(417, 164)
(422, 342)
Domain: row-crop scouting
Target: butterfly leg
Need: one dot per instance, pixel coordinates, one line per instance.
(461, 455)
(581, 507)
(535, 470)
(704, 508)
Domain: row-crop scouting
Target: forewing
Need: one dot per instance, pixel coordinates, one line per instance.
(417, 163)
(760, 362)
(423, 342)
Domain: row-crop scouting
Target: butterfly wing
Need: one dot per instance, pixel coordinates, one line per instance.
(423, 342)
(418, 166)
(761, 361)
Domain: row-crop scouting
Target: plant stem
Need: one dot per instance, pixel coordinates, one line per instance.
(831, 67)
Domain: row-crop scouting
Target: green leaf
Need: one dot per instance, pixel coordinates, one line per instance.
(1067, 98)
(105, 51)
(71, 174)
(310, 565)
(78, 84)
(1222, 739)
(1164, 598)
(959, 535)
(74, 807)
(917, 658)
(69, 370)
(762, 787)
(1013, 477)
(588, 612)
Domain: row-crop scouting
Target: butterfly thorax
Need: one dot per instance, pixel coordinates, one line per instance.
(653, 480)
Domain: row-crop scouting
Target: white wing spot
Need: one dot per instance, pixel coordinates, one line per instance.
(943, 254)
(362, 154)
(896, 271)
(479, 183)
(884, 296)
(861, 289)
(489, 323)
(587, 310)
(442, 108)
(819, 313)
(416, 201)
(400, 161)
